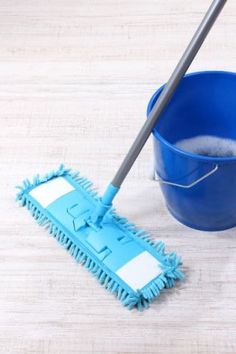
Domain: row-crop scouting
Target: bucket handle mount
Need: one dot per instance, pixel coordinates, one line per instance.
(160, 180)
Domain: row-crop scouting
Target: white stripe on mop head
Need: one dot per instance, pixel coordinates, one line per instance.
(208, 145)
(140, 270)
(48, 192)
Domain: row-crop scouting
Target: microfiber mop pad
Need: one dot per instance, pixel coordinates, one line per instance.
(123, 258)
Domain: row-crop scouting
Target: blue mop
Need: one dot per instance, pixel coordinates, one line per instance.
(123, 258)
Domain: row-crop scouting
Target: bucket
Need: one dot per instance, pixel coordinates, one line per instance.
(200, 191)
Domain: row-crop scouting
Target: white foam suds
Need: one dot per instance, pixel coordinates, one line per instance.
(208, 145)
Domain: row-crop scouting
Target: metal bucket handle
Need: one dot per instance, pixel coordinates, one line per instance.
(159, 179)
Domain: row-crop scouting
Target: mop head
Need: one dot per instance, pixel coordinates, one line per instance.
(123, 258)
(208, 145)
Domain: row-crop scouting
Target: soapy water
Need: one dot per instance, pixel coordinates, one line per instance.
(208, 145)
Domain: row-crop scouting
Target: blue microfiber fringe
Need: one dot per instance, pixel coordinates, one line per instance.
(142, 298)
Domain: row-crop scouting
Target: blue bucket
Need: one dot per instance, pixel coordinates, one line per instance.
(200, 191)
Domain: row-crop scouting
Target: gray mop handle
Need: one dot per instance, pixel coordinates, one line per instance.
(169, 90)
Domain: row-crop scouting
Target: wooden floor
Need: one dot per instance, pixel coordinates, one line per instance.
(75, 80)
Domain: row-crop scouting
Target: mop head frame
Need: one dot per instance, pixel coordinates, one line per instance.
(124, 259)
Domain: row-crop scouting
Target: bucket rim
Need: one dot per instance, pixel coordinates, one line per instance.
(173, 147)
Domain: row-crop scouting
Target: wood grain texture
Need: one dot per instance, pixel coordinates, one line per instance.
(75, 79)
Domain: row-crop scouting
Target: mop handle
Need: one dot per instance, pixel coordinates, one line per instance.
(167, 92)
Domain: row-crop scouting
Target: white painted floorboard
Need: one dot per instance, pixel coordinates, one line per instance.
(75, 80)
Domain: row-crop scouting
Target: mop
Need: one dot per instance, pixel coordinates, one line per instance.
(123, 258)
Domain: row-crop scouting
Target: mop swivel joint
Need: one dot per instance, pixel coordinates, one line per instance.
(99, 213)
